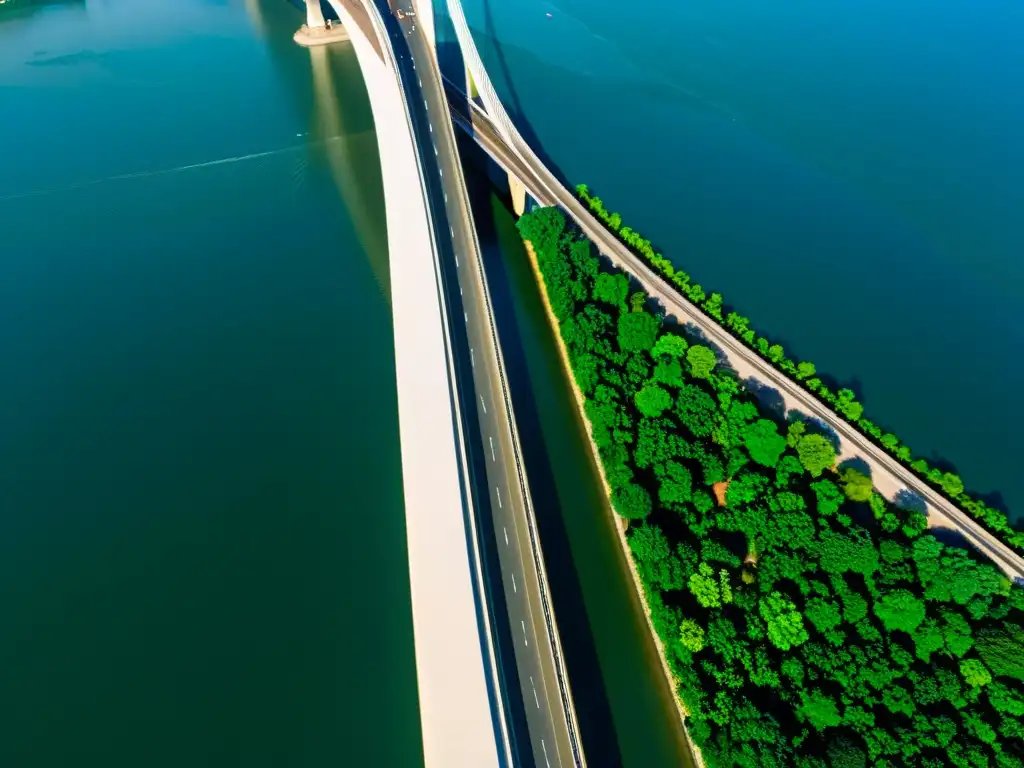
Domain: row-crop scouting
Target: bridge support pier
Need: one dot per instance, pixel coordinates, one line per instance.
(316, 31)
(518, 195)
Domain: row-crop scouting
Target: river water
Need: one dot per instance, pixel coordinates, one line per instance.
(849, 174)
(202, 544)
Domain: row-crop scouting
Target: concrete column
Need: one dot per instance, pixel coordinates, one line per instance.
(518, 195)
(315, 31)
(314, 15)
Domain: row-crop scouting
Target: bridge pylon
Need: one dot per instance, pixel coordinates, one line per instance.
(316, 31)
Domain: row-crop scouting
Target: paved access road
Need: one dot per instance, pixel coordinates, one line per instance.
(542, 683)
(889, 475)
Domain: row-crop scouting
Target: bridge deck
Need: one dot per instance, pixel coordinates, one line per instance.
(453, 671)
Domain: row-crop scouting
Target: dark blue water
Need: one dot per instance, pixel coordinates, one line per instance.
(202, 535)
(848, 174)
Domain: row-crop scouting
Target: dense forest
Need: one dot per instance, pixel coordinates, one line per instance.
(842, 401)
(807, 621)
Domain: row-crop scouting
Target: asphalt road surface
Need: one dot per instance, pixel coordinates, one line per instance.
(546, 709)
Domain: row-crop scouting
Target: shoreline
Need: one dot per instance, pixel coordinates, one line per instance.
(616, 521)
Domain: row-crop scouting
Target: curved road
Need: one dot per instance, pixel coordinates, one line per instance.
(889, 476)
(542, 681)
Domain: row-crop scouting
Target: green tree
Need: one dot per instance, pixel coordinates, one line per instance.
(697, 411)
(658, 565)
(975, 673)
(675, 485)
(956, 631)
(819, 709)
(794, 433)
(702, 361)
(788, 468)
(928, 639)
(745, 488)
(584, 262)
(856, 485)
(669, 371)
(670, 344)
(631, 501)
(816, 454)
(897, 699)
(637, 331)
(1005, 699)
(611, 289)
(952, 484)
(848, 406)
(960, 578)
(900, 610)
(704, 587)
(823, 614)
(794, 670)
(763, 442)
(585, 369)
(652, 400)
(828, 497)
(1000, 649)
(805, 370)
(785, 624)
(691, 635)
(852, 551)
(543, 227)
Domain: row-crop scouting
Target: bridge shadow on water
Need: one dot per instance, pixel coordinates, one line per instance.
(598, 734)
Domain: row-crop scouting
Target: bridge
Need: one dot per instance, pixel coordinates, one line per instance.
(486, 636)
(462, 463)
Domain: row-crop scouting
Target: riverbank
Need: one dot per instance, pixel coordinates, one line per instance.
(765, 650)
(619, 524)
(842, 403)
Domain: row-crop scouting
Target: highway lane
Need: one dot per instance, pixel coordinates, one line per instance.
(888, 475)
(542, 683)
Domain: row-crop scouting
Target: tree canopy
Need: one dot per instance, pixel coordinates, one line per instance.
(816, 454)
(806, 619)
(702, 361)
(763, 442)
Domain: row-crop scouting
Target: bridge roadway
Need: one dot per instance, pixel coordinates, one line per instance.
(462, 718)
(478, 381)
(889, 476)
(542, 680)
